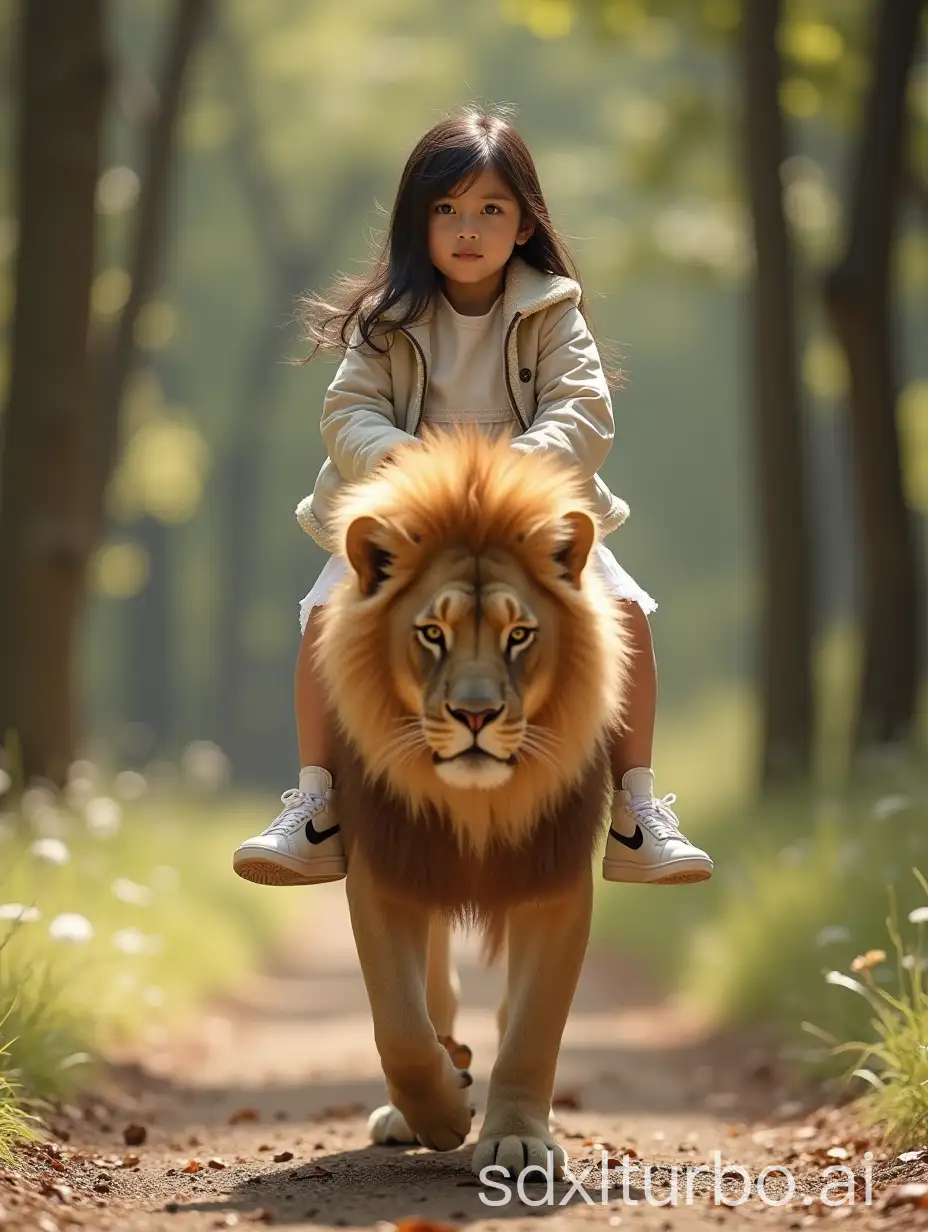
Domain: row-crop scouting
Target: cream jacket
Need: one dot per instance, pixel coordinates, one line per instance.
(553, 375)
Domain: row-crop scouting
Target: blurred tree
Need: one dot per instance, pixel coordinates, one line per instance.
(148, 668)
(119, 349)
(46, 527)
(858, 293)
(785, 565)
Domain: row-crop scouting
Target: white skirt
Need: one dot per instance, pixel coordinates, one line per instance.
(618, 582)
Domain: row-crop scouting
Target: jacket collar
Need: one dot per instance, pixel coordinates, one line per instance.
(526, 291)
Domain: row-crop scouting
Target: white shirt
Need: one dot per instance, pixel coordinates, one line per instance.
(463, 387)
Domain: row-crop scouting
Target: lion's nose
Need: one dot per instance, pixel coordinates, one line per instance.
(475, 719)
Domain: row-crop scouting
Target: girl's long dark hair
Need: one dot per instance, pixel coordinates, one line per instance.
(451, 154)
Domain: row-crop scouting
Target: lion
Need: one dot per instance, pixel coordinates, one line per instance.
(475, 667)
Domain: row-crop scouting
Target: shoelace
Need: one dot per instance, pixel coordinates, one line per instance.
(293, 799)
(658, 817)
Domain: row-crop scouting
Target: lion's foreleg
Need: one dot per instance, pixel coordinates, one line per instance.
(422, 1082)
(547, 944)
(442, 986)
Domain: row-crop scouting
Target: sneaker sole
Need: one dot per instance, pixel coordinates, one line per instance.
(686, 873)
(264, 871)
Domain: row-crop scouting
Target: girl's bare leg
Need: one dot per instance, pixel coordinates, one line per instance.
(312, 728)
(632, 744)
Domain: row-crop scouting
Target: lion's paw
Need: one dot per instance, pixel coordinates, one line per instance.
(387, 1126)
(514, 1141)
(438, 1117)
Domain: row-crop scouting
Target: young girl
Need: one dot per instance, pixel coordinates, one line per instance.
(470, 315)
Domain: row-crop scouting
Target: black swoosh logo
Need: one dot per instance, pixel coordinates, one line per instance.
(319, 836)
(634, 842)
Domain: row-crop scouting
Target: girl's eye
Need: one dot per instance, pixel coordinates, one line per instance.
(443, 207)
(494, 207)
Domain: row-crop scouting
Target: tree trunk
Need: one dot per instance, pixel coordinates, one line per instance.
(45, 531)
(149, 696)
(119, 356)
(149, 689)
(858, 298)
(785, 605)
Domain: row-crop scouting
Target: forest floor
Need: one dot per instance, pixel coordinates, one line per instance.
(256, 1114)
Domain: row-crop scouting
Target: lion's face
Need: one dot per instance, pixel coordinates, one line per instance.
(473, 658)
(474, 645)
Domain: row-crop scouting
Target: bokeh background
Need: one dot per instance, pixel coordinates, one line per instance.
(745, 187)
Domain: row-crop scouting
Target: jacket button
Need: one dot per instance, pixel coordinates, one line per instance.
(525, 375)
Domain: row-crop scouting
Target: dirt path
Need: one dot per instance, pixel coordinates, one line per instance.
(259, 1116)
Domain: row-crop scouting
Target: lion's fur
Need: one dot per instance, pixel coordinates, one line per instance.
(450, 502)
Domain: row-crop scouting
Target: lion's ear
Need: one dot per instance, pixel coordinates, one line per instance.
(581, 533)
(370, 560)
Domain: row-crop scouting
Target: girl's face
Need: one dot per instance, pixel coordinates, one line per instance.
(472, 235)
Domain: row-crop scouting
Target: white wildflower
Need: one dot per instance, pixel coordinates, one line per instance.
(103, 817)
(832, 934)
(79, 791)
(919, 916)
(845, 981)
(131, 892)
(20, 912)
(134, 941)
(889, 806)
(35, 800)
(51, 849)
(794, 855)
(165, 879)
(130, 785)
(83, 769)
(71, 926)
(206, 766)
(48, 821)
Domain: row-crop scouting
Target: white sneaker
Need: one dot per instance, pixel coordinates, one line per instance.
(301, 846)
(645, 844)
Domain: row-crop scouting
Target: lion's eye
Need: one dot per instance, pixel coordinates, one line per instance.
(519, 638)
(431, 635)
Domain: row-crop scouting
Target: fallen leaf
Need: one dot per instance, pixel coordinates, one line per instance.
(192, 1165)
(617, 1161)
(915, 1193)
(241, 1115)
(134, 1135)
(217, 1163)
(423, 1225)
(566, 1099)
(342, 1112)
(282, 1157)
(63, 1193)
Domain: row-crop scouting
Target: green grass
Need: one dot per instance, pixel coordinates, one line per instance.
(893, 1058)
(159, 923)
